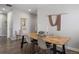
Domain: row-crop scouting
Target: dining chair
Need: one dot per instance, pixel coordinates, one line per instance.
(42, 45)
(17, 35)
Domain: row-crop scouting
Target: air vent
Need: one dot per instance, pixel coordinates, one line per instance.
(9, 5)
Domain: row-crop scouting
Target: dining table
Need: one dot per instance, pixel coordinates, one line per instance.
(52, 39)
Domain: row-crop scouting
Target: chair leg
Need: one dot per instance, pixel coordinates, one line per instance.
(22, 41)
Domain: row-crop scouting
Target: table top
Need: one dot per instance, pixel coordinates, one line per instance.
(59, 40)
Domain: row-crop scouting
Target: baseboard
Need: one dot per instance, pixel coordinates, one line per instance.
(73, 49)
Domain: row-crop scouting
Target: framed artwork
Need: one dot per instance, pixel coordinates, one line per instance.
(57, 21)
(23, 21)
(23, 24)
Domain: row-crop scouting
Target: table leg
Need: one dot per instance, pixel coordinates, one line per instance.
(54, 48)
(64, 49)
(22, 41)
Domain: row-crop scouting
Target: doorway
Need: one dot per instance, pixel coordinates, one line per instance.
(3, 27)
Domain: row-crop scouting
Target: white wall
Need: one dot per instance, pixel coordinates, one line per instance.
(33, 23)
(69, 22)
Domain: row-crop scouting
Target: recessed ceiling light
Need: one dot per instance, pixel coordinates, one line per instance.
(29, 10)
(3, 9)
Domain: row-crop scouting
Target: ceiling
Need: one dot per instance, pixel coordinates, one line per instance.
(34, 7)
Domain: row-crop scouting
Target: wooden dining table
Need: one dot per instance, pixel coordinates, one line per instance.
(55, 40)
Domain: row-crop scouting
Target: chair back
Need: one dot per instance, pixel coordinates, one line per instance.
(28, 39)
(42, 44)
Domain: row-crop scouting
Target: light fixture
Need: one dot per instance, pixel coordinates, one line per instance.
(29, 10)
(3, 9)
